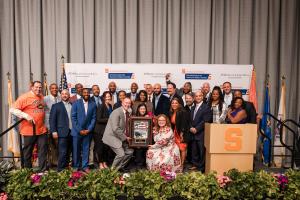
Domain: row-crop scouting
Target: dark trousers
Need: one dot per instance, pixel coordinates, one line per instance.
(140, 156)
(101, 150)
(42, 142)
(198, 154)
(64, 152)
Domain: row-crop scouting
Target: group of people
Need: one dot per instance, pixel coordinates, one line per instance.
(93, 128)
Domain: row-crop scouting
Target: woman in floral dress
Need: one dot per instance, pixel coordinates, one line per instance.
(164, 155)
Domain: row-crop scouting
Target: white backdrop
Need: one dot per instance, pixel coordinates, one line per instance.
(125, 74)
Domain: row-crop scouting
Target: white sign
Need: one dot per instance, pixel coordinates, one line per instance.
(89, 74)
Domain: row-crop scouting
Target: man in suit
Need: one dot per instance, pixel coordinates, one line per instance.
(60, 128)
(228, 95)
(171, 89)
(112, 88)
(50, 100)
(161, 103)
(116, 134)
(205, 91)
(200, 114)
(149, 90)
(83, 122)
(96, 95)
(78, 88)
(134, 88)
(98, 101)
(189, 99)
(249, 108)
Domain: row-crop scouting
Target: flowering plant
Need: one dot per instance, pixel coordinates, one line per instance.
(223, 180)
(168, 175)
(282, 181)
(3, 196)
(36, 178)
(75, 177)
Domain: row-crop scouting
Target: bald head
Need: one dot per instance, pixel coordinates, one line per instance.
(157, 89)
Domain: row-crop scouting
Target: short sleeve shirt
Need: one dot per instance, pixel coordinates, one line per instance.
(34, 106)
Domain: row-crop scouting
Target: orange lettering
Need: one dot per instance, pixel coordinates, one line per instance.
(233, 140)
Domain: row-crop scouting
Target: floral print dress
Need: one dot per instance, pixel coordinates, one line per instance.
(164, 155)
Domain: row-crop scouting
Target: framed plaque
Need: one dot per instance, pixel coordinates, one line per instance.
(140, 130)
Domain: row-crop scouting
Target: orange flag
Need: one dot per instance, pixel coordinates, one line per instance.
(252, 90)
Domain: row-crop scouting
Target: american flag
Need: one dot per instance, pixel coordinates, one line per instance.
(63, 80)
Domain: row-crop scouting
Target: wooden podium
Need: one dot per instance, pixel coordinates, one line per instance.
(229, 146)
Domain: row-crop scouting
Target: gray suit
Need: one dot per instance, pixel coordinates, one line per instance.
(114, 136)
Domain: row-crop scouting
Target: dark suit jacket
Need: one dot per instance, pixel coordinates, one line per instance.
(129, 95)
(251, 112)
(203, 115)
(93, 99)
(163, 105)
(182, 124)
(80, 120)
(101, 119)
(59, 120)
(179, 97)
(117, 105)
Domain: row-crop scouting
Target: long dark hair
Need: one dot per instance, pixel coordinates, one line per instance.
(138, 108)
(179, 108)
(221, 98)
(139, 94)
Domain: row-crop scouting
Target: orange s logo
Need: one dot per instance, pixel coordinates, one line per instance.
(233, 141)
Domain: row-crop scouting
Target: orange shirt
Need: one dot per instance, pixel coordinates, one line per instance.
(34, 106)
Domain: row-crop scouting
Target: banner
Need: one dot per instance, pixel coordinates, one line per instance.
(124, 74)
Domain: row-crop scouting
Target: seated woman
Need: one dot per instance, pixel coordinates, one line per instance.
(142, 98)
(236, 113)
(217, 105)
(164, 155)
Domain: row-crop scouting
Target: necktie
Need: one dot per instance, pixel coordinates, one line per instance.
(195, 111)
(149, 98)
(126, 123)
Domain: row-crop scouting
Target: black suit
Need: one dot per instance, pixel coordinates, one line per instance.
(99, 103)
(59, 122)
(101, 149)
(129, 96)
(203, 115)
(251, 112)
(163, 105)
(189, 147)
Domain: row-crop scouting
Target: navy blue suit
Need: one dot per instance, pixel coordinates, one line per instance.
(203, 115)
(59, 122)
(82, 121)
(163, 105)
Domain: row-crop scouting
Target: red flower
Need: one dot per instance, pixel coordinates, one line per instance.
(70, 183)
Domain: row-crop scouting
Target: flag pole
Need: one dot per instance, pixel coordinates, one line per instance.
(45, 84)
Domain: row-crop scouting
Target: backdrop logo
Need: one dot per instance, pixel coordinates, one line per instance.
(233, 139)
(120, 75)
(194, 76)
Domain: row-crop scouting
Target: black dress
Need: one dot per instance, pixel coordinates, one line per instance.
(100, 149)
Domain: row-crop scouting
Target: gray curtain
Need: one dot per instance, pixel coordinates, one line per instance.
(266, 33)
